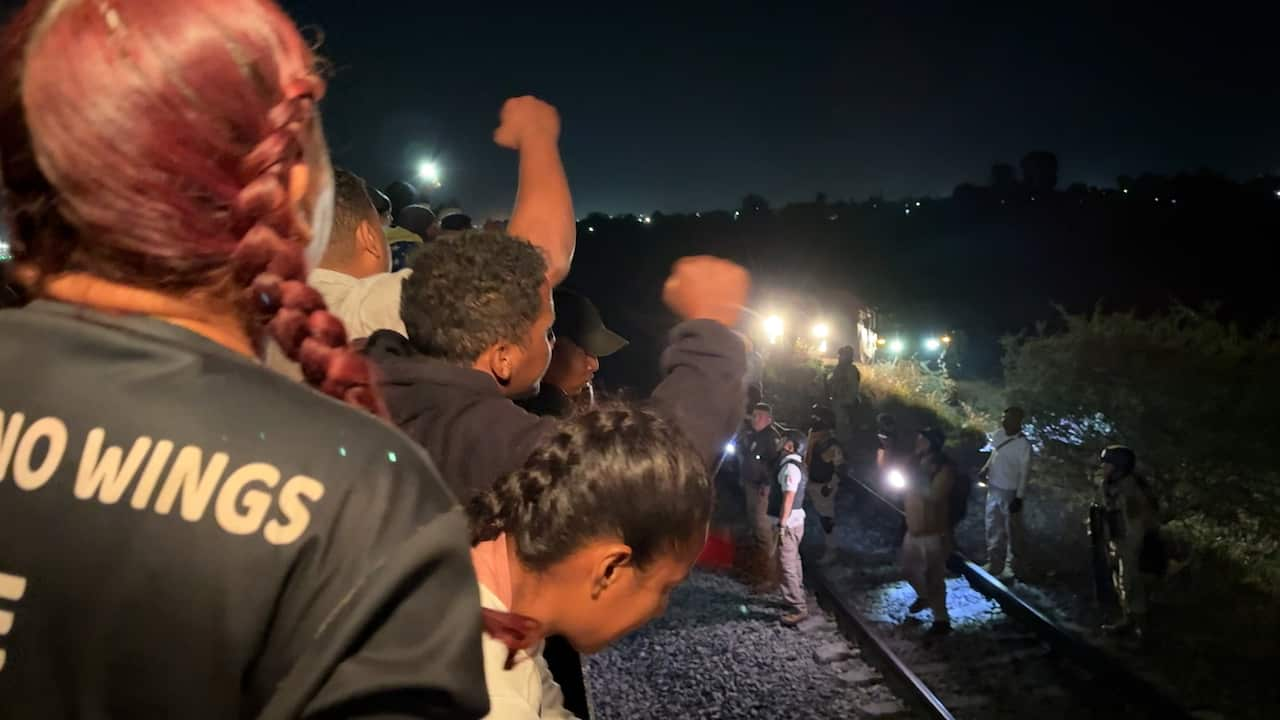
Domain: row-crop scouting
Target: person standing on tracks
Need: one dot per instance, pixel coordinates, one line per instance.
(1130, 506)
(786, 512)
(827, 465)
(761, 445)
(844, 387)
(926, 507)
(1006, 473)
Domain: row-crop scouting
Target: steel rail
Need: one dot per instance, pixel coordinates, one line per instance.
(1108, 669)
(909, 685)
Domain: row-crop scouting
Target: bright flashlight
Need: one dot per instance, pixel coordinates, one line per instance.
(932, 344)
(729, 448)
(821, 331)
(773, 325)
(822, 346)
(429, 172)
(896, 479)
(897, 346)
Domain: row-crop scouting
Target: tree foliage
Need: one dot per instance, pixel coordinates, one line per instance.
(1193, 396)
(1186, 390)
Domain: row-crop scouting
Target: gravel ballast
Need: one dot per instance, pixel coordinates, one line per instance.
(720, 652)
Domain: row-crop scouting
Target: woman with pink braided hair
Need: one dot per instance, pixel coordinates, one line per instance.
(184, 533)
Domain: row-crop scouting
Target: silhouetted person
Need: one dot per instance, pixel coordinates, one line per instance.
(924, 549)
(1131, 514)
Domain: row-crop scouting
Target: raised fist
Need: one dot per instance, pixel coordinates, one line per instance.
(705, 287)
(526, 118)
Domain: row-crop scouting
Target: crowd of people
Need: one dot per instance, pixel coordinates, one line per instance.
(779, 468)
(275, 443)
(311, 449)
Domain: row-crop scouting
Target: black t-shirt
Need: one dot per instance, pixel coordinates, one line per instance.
(179, 527)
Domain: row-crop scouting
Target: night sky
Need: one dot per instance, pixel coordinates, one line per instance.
(678, 110)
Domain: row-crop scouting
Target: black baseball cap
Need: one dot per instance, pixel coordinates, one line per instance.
(578, 320)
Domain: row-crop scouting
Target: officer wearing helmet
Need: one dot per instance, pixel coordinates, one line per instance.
(827, 466)
(1130, 508)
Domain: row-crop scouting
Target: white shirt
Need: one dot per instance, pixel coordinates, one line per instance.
(789, 478)
(526, 691)
(1010, 466)
(364, 305)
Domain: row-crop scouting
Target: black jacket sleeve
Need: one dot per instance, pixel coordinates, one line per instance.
(705, 366)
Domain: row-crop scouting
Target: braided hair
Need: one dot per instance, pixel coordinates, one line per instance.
(153, 143)
(621, 470)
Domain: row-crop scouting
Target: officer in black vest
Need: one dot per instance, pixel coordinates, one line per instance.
(761, 443)
(828, 465)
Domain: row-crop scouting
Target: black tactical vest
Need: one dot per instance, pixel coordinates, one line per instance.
(776, 493)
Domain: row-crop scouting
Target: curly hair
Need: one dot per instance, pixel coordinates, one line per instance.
(469, 291)
(621, 470)
(152, 143)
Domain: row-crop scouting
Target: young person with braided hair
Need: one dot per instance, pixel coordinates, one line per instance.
(228, 543)
(587, 540)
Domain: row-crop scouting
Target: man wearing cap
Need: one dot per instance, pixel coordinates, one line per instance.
(581, 340)
(761, 449)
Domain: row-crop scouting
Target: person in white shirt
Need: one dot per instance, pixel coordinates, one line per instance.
(786, 510)
(1005, 474)
(353, 274)
(587, 540)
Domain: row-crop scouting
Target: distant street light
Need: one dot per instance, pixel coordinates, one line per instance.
(932, 344)
(429, 172)
(896, 346)
(773, 328)
(821, 331)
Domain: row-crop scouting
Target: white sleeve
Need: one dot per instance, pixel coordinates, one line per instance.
(379, 306)
(793, 478)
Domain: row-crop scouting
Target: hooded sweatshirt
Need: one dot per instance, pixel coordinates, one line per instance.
(476, 434)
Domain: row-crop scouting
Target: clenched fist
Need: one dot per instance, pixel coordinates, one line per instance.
(705, 287)
(526, 118)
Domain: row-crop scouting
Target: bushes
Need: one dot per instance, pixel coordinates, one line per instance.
(1194, 397)
(917, 398)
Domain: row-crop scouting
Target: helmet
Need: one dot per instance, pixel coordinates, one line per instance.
(797, 437)
(821, 418)
(1121, 456)
(401, 194)
(416, 218)
(454, 219)
(381, 203)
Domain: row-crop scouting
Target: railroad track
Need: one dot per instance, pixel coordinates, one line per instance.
(1005, 658)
